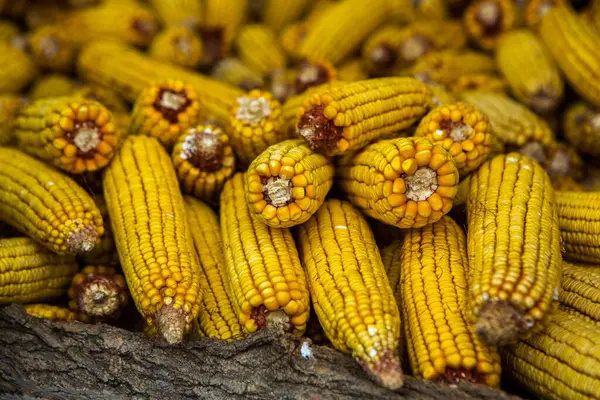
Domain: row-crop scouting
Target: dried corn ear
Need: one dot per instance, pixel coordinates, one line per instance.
(203, 160)
(17, 69)
(73, 134)
(46, 205)
(105, 252)
(217, 318)
(52, 313)
(287, 183)
(581, 127)
(258, 48)
(406, 182)
(348, 117)
(485, 82)
(52, 48)
(255, 123)
(166, 110)
(54, 85)
(528, 67)
(279, 13)
(463, 131)
(559, 363)
(98, 293)
(153, 238)
(350, 290)
(187, 13)
(311, 73)
(221, 21)
(29, 272)
(536, 9)
(234, 72)
(514, 248)
(581, 289)
(10, 105)
(291, 38)
(446, 66)
(105, 95)
(573, 42)
(177, 45)
(563, 161)
(579, 219)
(352, 70)
(268, 284)
(486, 20)
(9, 30)
(429, 9)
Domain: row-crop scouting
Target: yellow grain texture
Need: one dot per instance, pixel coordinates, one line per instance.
(179, 46)
(258, 48)
(579, 219)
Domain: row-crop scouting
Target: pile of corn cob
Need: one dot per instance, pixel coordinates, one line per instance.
(421, 174)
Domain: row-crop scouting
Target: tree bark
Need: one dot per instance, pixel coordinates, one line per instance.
(44, 359)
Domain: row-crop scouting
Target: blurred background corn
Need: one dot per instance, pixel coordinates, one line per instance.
(446, 66)
(10, 105)
(258, 48)
(51, 85)
(186, 13)
(581, 126)
(220, 23)
(488, 82)
(486, 20)
(279, 13)
(17, 69)
(177, 45)
(234, 72)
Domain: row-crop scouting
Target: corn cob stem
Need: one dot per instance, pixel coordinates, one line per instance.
(579, 220)
(52, 313)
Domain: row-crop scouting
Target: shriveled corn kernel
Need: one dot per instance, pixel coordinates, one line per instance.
(514, 248)
(463, 131)
(580, 289)
(52, 313)
(486, 20)
(177, 45)
(105, 252)
(581, 127)
(234, 72)
(579, 220)
(220, 23)
(406, 182)
(536, 9)
(268, 284)
(203, 160)
(54, 85)
(165, 110)
(258, 48)
(30, 272)
(287, 183)
(10, 105)
(17, 69)
(346, 118)
(350, 290)
(485, 82)
(47, 205)
(447, 66)
(187, 13)
(311, 73)
(52, 48)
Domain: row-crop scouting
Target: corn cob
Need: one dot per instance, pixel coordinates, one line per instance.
(234, 72)
(391, 256)
(268, 284)
(52, 313)
(350, 290)
(256, 123)
(9, 30)
(406, 182)
(279, 13)
(17, 70)
(581, 128)
(579, 219)
(105, 252)
(559, 363)
(10, 105)
(221, 21)
(107, 96)
(287, 183)
(52, 49)
(46, 205)
(581, 289)
(53, 85)
(347, 118)
(291, 37)
(485, 82)
(562, 161)
(129, 72)
(592, 13)
(429, 9)
(446, 66)
(536, 9)
(153, 239)
(29, 272)
(514, 248)
(441, 96)
(312, 73)
(187, 13)
(177, 45)
(530, 70)
(486, 20)
(166, 110)
(352, 70)
(217, 317)
(463, 131)
(258, 48)
(72, 134)
(573, 43)
(340, 29)
(203, 160)
(98, 293)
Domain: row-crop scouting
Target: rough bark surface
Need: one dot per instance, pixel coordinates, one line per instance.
(42, 359)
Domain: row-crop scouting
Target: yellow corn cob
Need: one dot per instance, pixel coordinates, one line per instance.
(579, 219)
(10, 105)
(514, 248)
(17, 70)
(177, 45)
(581, 126)
(53, 313)
(393, 47)
(54, 85)
(105, 252)
(287, 183)
(516, 127)
(268, 284)
(463, 131)
(52, 48)
(340, 29)
(312, 73)
(391, 256)
(292, 36)
(407, 11)
(204, 160)
(124, 21)
(446, 66)
(530, 70)
(258, 48)
(559, 363)
(166, 110)
(486, 20)
(29, 272)
(536, 9)
(234, 72)
(47, 205)
(406, 182)
(9, 30)
(352, 70)
(105, 95)
(485, 82)
(186, 13)
(217, 317)
(281, 83)
(73, 134)
(348, 117)
(441, 96)
(221, 21)
(98, 293)
(573, 42)
(153, 238)
(581, 289)
(562, 161)
(255, 123)
(129, 72)
(441, 344)
(350, 290)
(279, 13)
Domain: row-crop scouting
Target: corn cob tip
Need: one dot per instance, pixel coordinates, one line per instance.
(171, 323)
(252, 109)
(82, 240)
(321, 133)
(383, 57)
(387, 371)
(312, 74)
(100, 296)
(171, 103)
(500, 324)
(203, 149)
